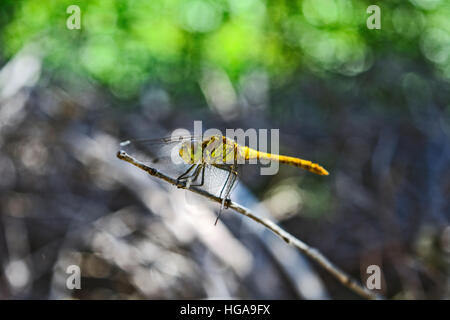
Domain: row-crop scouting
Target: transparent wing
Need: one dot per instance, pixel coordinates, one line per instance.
(160, 141)
(161, 154)
(156, 150)
(218, 180)
(214, 180)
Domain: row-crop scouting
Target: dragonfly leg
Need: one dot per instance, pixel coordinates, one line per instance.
(226, 182)
(202, 177)
(185, 175)
(223, 198)
(231, 179)
(198, 170)
(194, 176)
(233, 175)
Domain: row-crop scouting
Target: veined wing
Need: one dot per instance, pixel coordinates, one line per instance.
(216, 179)
(159, 141)
(161, 153)
(155, 150)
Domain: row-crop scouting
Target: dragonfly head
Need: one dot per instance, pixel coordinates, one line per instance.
(191, 152)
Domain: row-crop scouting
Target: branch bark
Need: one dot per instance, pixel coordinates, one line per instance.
(311, 252)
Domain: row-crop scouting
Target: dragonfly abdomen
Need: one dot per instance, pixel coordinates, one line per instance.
(296, 162)
(304, 164)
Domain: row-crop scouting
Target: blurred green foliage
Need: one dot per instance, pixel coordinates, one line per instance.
(124, 44)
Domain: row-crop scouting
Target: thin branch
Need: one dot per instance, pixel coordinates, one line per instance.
(311, 252)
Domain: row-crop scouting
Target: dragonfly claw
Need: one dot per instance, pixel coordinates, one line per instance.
(179, 186)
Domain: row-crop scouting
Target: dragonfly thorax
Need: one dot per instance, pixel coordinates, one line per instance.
(212, 150)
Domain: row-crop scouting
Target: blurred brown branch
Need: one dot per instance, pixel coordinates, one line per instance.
(311, 252)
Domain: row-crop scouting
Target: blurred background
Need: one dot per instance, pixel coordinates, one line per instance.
(372, 106)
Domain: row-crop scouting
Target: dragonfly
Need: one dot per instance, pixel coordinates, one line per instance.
(211, 162)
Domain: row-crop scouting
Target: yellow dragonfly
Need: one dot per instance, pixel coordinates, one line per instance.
(208, 162)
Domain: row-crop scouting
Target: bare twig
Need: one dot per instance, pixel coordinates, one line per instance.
(311, 252)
